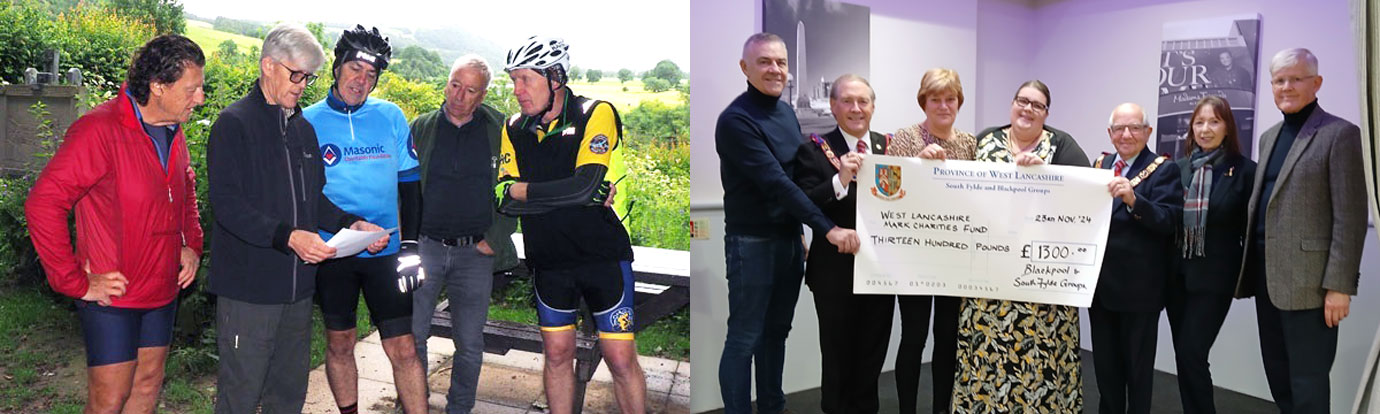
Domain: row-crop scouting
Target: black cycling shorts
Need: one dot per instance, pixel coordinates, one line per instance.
(339, 282)
(607, 287)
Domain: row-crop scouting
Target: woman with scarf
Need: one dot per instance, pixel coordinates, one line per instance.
(1217, 181)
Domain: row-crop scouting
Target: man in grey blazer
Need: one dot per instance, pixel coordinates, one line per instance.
(1308, 224)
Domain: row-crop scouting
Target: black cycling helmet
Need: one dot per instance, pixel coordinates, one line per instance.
(363, 45)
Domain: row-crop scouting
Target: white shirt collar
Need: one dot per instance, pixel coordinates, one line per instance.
(1129, 163)
(853, 141)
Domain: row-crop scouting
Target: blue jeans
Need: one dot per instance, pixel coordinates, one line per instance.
(764, 276)
(468, 279)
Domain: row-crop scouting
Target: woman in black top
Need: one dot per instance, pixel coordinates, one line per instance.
(1217, 180)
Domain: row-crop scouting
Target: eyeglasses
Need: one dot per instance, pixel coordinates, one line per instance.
(297, 76)
(1134, 128)
(1278, 82)
(1037, 106)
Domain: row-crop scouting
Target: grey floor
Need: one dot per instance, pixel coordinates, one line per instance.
(1166, 395)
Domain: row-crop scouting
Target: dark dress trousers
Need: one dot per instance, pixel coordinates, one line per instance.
(854, 330)
(1200, 291)
(1125, 313)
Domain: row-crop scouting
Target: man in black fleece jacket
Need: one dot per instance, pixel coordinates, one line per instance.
(266, 177)
(756, 138)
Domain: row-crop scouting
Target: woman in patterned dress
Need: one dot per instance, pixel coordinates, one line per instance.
(1020, 357)
(940, 96)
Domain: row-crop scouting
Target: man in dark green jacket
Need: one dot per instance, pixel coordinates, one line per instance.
(463, 241)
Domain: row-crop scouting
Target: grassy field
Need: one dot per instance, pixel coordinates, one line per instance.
(210, 39)
(608, 89)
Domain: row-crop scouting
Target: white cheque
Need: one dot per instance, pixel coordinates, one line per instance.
(981, 229)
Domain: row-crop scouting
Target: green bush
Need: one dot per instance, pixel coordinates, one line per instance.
(656, 122)
(660, 195)
(100, 42)
(415, 98)
(26, 30)
(500, 95)
(164, 15)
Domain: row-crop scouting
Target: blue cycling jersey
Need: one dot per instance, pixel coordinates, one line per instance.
(367, 150)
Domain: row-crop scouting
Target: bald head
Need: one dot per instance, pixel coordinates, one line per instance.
(1128, 130)
(1127, 108)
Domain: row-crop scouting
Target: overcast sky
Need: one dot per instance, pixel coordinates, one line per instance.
(606, 34)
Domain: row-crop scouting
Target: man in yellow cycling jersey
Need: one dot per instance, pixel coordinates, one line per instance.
(554, 159)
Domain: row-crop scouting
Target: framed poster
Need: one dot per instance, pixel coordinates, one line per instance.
(1219, 56)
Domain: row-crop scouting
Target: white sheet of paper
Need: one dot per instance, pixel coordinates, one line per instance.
(349, 242)
(978, 229)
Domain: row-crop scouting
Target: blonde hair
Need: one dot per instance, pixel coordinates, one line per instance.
(939, 80)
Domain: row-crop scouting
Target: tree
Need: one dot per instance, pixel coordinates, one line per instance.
(164, 15)
(228, 49)
(656, 85)
(576, 73)
(226, 24)
(500, 95)
(625, 75)
(318, 30)
(418, 64)
(594, 75)
(666, 70)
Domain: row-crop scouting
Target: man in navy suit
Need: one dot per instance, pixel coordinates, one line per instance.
(854, 330)
(1125, 313)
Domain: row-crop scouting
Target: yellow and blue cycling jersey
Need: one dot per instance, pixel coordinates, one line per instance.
(367, 150)
(564, 162)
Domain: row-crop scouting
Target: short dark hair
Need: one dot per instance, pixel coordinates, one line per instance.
(1220, 107)
(1039, 86)
(161, 60)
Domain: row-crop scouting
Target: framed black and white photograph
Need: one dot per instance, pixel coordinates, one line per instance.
(824, 39)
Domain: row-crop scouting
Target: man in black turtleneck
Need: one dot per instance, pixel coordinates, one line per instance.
(757, 137)
(1308, 225)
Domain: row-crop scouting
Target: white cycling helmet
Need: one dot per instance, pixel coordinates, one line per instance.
(541, 54)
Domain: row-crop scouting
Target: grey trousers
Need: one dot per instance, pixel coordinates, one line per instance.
(467, 277)
(265, 352)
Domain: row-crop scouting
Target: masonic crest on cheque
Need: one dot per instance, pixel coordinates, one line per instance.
(888, 183)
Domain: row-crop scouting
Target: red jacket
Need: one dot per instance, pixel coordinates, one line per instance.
(131, 215)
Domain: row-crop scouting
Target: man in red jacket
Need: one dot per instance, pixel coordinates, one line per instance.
(123, 169)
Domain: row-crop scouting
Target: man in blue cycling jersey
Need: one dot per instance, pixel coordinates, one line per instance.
(367, 152)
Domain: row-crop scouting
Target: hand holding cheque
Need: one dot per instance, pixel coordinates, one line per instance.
(963, 228)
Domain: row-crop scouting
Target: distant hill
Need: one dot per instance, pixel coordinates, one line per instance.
(450, 43)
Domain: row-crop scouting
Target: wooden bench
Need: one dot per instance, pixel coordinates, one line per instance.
(662, 280)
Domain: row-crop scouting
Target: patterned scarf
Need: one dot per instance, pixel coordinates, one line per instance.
(1196, 201)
